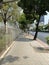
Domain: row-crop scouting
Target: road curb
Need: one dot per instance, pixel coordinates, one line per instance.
(43, 43)
(6, 51)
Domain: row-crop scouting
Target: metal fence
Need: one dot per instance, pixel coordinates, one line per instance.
(7, 38)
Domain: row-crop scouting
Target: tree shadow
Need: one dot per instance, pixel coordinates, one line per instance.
(25, 57)
(24, 39)
(9, 59)
(41, 49)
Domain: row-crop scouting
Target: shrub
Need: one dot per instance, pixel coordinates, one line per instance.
(2, 44)
(47, 38)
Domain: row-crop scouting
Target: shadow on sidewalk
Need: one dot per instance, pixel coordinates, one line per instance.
(25, 57)
(9, 59)
(41, 49)
(24, 39)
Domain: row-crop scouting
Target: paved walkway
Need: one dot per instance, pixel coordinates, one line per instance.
(26, 52)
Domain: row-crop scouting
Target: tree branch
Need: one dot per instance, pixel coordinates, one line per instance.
(2, 15)
(9, 17)
(9, 1)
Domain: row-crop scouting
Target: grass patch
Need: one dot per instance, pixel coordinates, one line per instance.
(2, 44)
(6, 39)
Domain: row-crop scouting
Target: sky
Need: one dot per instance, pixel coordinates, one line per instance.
(46, 18)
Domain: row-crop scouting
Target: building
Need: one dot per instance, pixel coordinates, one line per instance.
(41, 21)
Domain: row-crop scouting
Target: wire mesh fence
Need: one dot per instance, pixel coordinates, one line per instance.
(6, 38)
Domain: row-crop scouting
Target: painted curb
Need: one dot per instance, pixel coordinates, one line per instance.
(6, 51)
(43, 43)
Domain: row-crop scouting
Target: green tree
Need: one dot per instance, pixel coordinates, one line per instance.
(22, 22)
(5, 14)
(33, 10)
(8, 11)
(47, 26)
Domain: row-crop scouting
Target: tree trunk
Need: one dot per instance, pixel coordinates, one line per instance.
(5, 22)
(36, 33)
(5, 26)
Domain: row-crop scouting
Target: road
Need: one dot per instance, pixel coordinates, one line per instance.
(41, 35)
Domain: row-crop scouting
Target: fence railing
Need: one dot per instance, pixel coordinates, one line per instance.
(7, 38)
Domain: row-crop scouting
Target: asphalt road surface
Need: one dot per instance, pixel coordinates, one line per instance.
(41, 35)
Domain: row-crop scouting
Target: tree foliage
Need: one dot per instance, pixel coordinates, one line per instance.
(9, 12)
(34, 9)
(22, 22)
